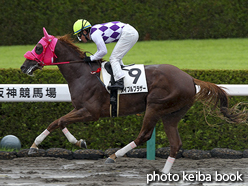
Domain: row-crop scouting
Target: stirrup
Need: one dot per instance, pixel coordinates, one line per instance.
(117, 85)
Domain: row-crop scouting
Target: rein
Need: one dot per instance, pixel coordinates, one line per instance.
(67, 62)
(92, 71)
(79, 61)
(97, 71)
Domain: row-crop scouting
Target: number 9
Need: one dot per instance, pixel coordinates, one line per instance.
(135, 75)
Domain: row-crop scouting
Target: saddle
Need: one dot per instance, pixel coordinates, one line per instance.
(134, 82)
(108, 68)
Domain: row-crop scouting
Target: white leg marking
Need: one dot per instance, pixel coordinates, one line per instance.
(125, 149)
(69, 136)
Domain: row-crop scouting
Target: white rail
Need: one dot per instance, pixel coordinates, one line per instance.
(236, 89)
(34, 93)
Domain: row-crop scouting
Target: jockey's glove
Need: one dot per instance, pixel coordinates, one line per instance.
(87, 59)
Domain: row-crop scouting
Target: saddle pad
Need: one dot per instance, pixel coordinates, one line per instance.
(134, 81)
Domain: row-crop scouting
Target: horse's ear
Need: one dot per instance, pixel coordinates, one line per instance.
(46, 34)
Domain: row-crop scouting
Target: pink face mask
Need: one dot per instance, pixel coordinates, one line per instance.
(47, 55)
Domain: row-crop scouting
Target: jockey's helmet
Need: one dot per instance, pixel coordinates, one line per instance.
(80, 25)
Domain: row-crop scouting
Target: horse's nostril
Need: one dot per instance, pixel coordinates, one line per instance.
(22, 68)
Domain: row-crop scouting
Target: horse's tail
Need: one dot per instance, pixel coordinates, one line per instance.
(210, 93)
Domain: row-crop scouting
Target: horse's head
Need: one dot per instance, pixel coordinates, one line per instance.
(42, 54)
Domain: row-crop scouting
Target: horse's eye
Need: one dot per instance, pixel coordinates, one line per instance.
(38, 48)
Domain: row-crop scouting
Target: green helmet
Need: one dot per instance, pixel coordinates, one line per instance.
(80, 25)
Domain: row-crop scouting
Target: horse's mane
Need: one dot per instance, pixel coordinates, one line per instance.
(69, 41)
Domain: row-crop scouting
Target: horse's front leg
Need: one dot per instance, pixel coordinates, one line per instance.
(34, 148)
(73, 116)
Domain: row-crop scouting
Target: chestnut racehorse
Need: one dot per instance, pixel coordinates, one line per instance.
(171, 92)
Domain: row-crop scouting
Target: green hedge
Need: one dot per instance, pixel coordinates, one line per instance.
(28, 120)
(22, 20)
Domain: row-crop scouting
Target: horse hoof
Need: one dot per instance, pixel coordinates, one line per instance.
(109, 160)
(32, 151)
(83, 144)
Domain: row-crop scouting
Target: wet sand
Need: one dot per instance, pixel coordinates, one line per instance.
(49, 171)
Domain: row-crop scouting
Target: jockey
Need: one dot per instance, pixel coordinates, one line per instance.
(124, 34)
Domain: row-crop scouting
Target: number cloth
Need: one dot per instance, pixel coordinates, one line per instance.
(134, 81)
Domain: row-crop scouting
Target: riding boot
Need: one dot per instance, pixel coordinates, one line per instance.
(117, 85)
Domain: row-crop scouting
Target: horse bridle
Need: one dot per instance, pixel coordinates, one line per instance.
(39, 58)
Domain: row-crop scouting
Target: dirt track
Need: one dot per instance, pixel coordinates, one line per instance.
(126, 171)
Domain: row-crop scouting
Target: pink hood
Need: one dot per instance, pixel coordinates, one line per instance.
(47, 56)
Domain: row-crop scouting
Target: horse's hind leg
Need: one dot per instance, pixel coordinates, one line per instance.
(170, 122)
(73, 116)
(149, 122)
